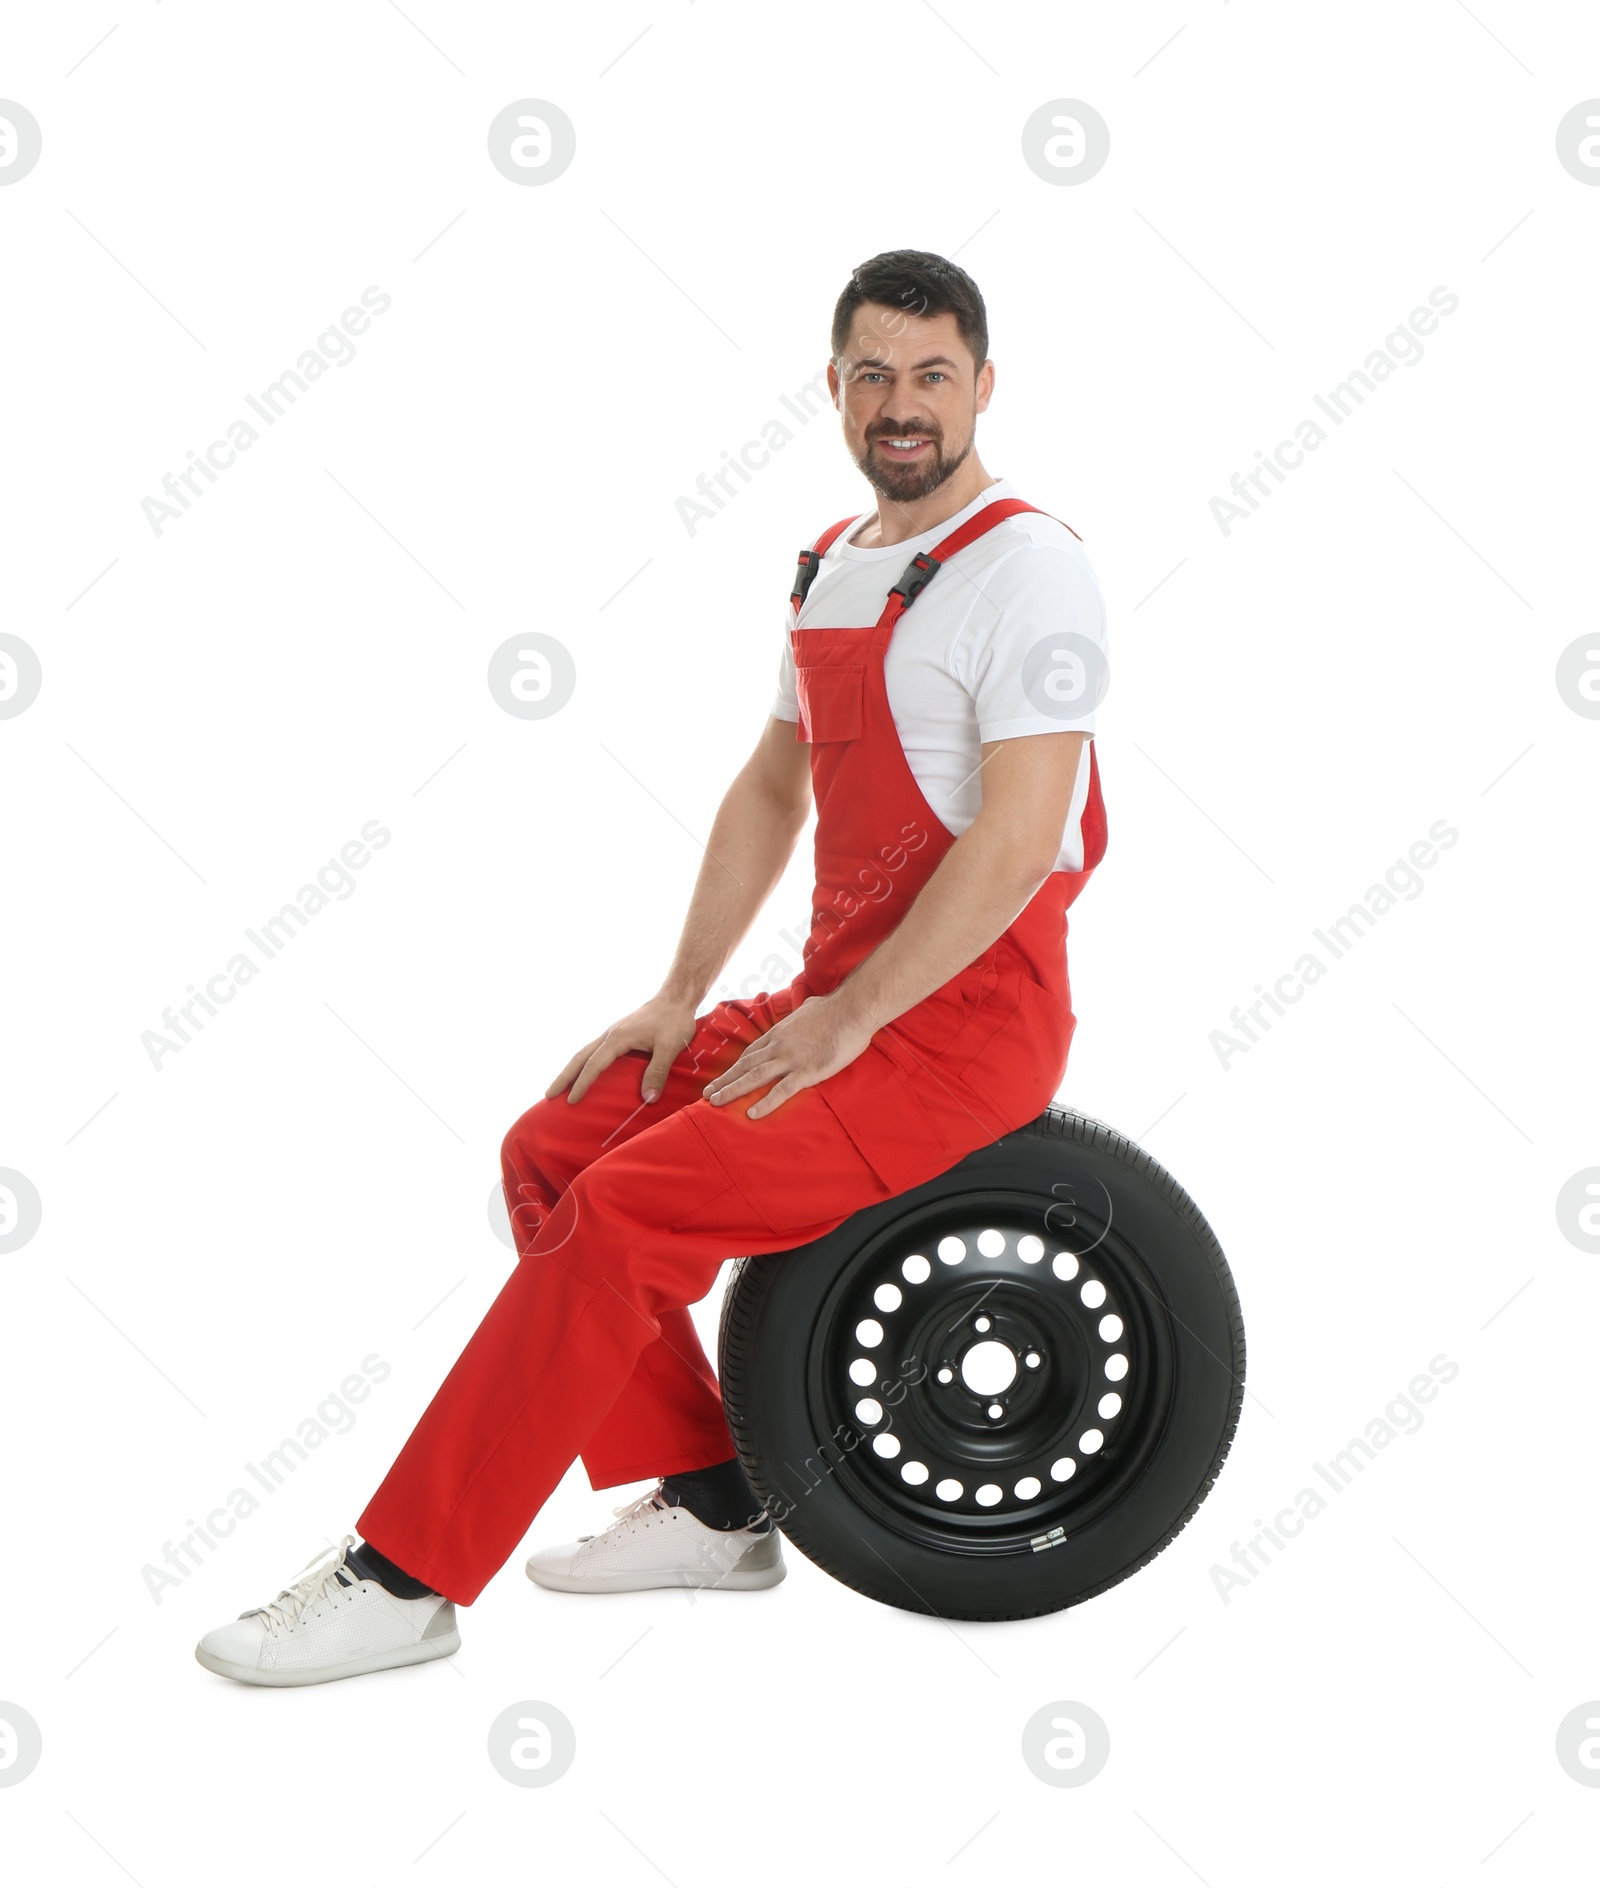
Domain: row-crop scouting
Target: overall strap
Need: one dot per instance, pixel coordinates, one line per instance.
(922, 569)
(811, 556)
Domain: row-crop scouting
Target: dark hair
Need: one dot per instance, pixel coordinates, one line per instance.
(914, 282)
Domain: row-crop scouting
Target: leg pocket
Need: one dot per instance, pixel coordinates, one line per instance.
(878, 1101)
(797, 1171)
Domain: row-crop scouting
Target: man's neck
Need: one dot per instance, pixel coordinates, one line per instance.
(895, 520)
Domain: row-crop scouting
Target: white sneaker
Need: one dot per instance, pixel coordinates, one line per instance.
(330, 1624)
(652, 1544)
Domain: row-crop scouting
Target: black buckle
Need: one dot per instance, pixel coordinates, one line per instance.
(809, 562)
(919, 573)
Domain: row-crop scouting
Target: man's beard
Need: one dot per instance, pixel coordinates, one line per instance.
(907, 483)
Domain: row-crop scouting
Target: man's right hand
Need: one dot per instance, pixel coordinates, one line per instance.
(662, 1028)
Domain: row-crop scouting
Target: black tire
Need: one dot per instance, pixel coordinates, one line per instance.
(1077, 1190)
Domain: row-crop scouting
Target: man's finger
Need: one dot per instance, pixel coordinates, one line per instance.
(778, 1094)
(742, 1076)
(655, 1075)
(754, 1057)
(571, 1069)
(605, 1053)
(731, 1087)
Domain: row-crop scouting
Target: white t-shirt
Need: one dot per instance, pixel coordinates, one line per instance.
(954, 668)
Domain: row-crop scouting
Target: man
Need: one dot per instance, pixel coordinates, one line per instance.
(947, 749)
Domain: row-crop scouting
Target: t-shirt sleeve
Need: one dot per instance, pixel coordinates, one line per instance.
(786, 703)
(1033, 652)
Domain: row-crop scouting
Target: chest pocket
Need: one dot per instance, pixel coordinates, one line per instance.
(830, 700)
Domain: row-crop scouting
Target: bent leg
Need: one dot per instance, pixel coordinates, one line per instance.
(668, 1415)
(639, 1233)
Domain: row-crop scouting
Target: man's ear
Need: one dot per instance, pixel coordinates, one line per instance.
(985, 387)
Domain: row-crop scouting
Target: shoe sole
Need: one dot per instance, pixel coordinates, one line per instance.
(423, 1653)
(735, 1582)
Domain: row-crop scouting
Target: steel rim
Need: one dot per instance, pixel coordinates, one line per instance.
(992, 1374)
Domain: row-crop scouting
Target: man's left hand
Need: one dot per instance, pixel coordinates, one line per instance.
(810, 1044)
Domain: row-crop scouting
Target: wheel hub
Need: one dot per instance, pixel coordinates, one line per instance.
(999, 1359)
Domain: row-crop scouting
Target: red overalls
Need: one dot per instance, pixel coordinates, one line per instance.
(624, 1211)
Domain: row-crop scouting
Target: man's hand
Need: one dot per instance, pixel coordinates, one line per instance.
(662, 1027)
(811, 1043)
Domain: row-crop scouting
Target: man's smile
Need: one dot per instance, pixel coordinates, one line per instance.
(904, 445)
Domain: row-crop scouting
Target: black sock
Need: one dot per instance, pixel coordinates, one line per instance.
(718, 1497)
(369, 1564)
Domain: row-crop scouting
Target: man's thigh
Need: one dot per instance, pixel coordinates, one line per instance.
(780, 1180)
(658, 1214)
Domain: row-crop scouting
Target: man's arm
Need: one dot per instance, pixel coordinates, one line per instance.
(752, 839)
(982, 882)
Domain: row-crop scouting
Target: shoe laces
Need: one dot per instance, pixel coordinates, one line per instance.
(638, 1510)
(316, 1581)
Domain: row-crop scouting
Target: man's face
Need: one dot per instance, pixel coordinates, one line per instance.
(909, 398)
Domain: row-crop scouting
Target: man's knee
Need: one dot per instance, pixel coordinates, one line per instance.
(545, 1142)
(533, 1170)
(520, 1146)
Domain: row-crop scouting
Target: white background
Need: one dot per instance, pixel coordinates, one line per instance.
(306, 1183)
